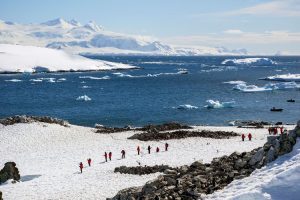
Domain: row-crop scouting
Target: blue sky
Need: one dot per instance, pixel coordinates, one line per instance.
(230, 23)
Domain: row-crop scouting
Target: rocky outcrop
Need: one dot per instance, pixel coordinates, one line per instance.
(141, 170)
(164, 127)
(1, 196)
(190, 182)
(106, 130)
(250, 123)
(150, 136)
(9, 171)
(29, 119)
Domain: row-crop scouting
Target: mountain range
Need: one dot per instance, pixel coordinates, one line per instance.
(90, 38)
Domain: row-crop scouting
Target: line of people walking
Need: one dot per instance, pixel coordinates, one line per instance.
(244, 136)
(275, 131)
(108, 156)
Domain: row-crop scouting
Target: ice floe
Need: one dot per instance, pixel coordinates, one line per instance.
(284, 77)
(268, 87)
(249, 62)
(217, 104)
(186, 107)
(95, 78)
(83, 98)
(14, 80)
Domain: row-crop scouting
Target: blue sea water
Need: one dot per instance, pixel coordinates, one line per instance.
(152, 93)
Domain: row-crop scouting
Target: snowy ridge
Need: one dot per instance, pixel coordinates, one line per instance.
(19, 59)
(92, 39)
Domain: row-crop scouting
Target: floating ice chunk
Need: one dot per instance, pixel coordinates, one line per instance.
(61, 79)
(284, 77)
(267, 87)
(85, 86)
(218, 104)
(14, 80)
(186, 107)
(83, 98)
(235, 82)
(250, 62)
(95, 78)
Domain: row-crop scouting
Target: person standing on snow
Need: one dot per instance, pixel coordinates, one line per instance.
(157, 149)
(243, 137)
(110, 155)
(123, 153)
(105, 156)
(138, 150)
(249, 136)
(166, 146)
(89, 161)
(281, 130)
(149, 149)
(80, 166)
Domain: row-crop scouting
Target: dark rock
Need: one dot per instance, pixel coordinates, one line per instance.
(1, 196)
(9, 171)
(139, 170)
(29, 119)
(150, 136)
(164, 127)
(258, 156)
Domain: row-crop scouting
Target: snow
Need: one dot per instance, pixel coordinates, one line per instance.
(17, 58)
(48, 156)
(250, 62)
(278, 180)
(92, 39)
(218, 104)
(284, 77)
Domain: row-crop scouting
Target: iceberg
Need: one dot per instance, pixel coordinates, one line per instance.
(14, 80)
(249, 62)
(235, 82)
(95, 78)
(284, 78)
(83, 98)
(268, 87)
(217, 104)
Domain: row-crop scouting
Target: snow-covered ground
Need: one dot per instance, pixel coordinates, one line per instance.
(91, 38)
(277, 181)
(48, 156)
(18, 58)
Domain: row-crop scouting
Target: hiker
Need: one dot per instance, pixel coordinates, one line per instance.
(110, 155)
(89, 161)
(249, 136)
(166, 146)
(138, 150)
(275, 130)
(269, 129)
(105, 156)
(243, 137)
(157, 149)
(149, 149)
(123, 153)
(80, 166)
(281, 130)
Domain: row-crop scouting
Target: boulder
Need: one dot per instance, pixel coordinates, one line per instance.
(240, 163)
(258, 156)
(271, 155)
(9, 171)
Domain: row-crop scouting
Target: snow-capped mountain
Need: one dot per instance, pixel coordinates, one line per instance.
(91, 38)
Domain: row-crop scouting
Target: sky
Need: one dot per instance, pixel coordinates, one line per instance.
(261, 26)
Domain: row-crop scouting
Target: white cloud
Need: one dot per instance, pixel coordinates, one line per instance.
(233, 31)
(288, 8)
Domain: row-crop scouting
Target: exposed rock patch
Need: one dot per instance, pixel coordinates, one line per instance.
(104, 129)
(29, 119)
(250, 123)
(9, 171)
(141, 170)
(164, 127)
(150, 136)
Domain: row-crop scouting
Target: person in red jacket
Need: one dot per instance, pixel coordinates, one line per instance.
(123, 153)
(105, 156)
(166, 146)
(138, 150)
(80, 166)
(249, 136)
(149, 149)
(275, 130)
(243, 137)
(157, 149)
(110, 155)
(89, 161)
(281, 130)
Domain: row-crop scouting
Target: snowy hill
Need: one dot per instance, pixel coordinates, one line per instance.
(18, 59)
(91, 38)
(48, 155)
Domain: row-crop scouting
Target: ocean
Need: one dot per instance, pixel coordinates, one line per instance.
(164, 89)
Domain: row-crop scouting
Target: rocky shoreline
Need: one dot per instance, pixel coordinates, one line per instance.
(29, 119)
(192, 182)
